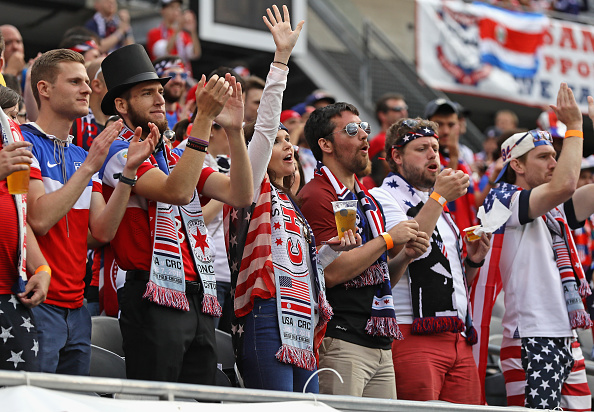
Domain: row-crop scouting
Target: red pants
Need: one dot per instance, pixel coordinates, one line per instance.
(435, 367)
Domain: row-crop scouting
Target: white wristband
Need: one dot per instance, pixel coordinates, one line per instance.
(326, 255)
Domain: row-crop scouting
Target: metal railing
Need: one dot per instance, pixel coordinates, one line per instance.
(178, 391)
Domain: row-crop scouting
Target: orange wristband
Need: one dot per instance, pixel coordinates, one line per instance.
(438, 198)
(574, 133)
(388, 239)
(44, 268)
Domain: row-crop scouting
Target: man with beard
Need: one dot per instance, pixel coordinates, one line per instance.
(173, 68)
(169, 299)
(434, 360)
(65, 202)
(359, 335)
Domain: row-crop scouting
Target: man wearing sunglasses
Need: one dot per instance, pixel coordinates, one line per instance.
(535, 261)
(173, 90)
(359, 335)
(430, 300)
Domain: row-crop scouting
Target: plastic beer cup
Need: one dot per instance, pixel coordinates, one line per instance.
(18, 182)
(345, 214)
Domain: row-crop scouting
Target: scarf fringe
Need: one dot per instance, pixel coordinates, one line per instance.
(211, 306)
(301, 358)
(584, 289)
(325, 310)
(373, 275)
(377, 326)
(580, 319)
(166, 297)
(437, 324)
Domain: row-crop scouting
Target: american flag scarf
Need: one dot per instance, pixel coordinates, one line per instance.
(166, 285)
(382, 321)
(487, 284)
(11, 133)
(431, 282)
(253, 274)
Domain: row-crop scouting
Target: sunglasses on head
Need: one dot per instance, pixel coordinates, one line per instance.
(410, 123)
(353, 128)
(398, 108)
(173, 75)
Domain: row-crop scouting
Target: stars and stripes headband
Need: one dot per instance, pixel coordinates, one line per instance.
(86, 46)
(164, 65)
(410, 136)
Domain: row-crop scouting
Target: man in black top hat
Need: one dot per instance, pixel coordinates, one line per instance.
(169, 299)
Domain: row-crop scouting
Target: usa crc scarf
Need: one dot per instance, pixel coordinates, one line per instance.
(166, 285)
(259, 269)
(383, 319)
(431, 281)
(10, 134)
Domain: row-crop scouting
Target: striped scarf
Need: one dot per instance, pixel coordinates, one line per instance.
(166, 285)
(253, 274)
(487, 284)
(11, 133)
(382, 321)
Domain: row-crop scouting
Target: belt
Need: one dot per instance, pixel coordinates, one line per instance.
(192, 288)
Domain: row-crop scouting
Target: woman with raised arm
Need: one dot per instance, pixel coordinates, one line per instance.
(280, 305)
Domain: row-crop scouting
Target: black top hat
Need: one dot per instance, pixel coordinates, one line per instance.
(123, 69)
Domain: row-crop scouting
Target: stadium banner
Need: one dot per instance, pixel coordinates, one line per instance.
(479, 49)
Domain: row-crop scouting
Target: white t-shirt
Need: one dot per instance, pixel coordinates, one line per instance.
(534, 301)
(401, 291)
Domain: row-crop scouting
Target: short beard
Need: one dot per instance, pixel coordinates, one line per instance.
(417, 178)
(138, 119)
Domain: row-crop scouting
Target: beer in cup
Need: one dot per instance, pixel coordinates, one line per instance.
(345, 214)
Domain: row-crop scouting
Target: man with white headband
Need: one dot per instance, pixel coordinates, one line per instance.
(535, 261)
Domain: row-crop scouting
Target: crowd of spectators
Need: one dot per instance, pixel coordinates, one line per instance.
(180, 203)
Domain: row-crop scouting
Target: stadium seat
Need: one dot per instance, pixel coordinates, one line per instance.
(106, 334)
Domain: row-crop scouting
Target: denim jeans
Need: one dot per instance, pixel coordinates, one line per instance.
(64, 339)
(261, 341)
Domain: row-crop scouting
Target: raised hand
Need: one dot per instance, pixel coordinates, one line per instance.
(231, 117)
(404, 232)
(139, 151)
(101, 144)
(451, 184)
(211, 99)
(284, 37)
(15, 157)
(567, 109)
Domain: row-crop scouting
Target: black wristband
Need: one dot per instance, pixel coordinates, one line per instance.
(472, 264)
(196, 146)
(284, 64)
(125, 179)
